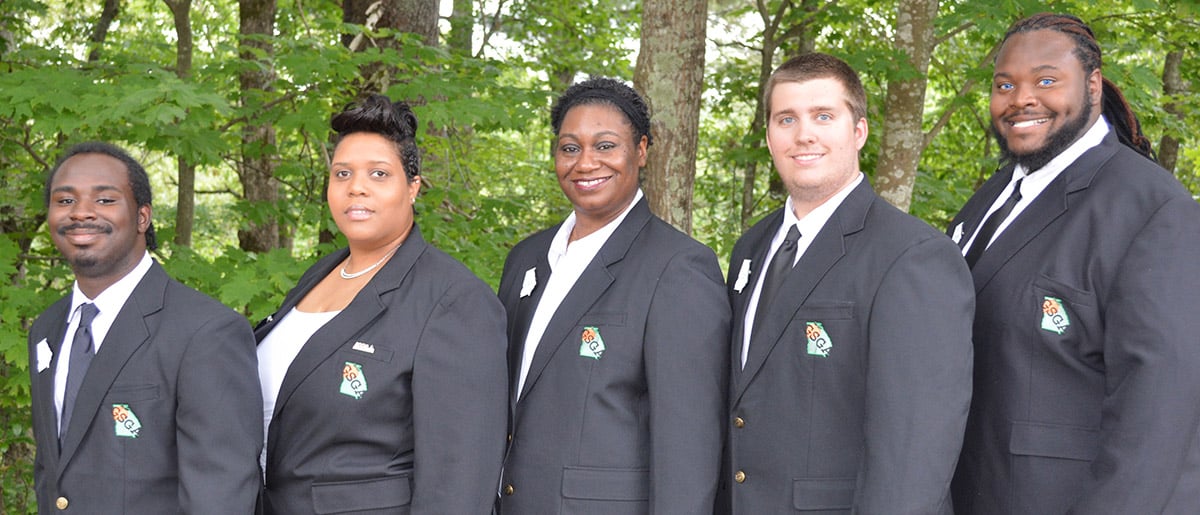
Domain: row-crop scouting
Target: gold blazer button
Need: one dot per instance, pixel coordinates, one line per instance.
(61, 503)
(738, 422)
(739, 476)
(508, 489)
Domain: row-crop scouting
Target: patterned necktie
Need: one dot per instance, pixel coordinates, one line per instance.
(989, 226)
(81, 356)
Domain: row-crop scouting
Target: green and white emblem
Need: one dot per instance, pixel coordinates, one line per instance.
(125, 423)
(1054, 316)
(592, 345)
(354, 383)
(819, 342)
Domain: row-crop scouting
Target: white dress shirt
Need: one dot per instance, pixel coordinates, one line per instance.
(108, 303)
(567, 261)
(276, 353)
(1036, 181)
(809, 226)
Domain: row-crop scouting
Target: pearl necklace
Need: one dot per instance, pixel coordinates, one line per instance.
(346, 275)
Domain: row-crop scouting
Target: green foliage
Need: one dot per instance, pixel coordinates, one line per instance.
(488, 179)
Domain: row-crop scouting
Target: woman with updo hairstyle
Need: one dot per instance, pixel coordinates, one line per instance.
(618, 335)
(383, 372)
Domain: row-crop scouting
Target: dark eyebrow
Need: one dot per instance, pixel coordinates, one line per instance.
(71, 189)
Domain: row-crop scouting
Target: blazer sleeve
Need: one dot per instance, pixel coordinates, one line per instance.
(918, 381)
(460, 405)
(687, 371)
(1151, 410)
(219, 419)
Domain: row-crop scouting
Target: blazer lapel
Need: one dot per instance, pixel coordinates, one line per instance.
(826, 249)
(740, 301)
(128, 333)
(44, 410)
(356, 316)
(1051, 204)
(594, 281)
(524, 315)
(971, 215)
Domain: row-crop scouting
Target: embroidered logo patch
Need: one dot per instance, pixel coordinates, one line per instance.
(1054, 316)
(819, 342)
(592, 345)
(125, 423)
(354, 383)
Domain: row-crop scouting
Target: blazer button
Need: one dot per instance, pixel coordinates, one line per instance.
(738, 422)
(61, 503)
(510, 437)
(508, 489)
(739, 476)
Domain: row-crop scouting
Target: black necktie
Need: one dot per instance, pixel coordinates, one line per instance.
(781, 264)
(81, 357)
(989, 226)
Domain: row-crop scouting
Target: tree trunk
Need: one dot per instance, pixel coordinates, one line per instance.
(256, 168)
(108, 14)
(1173, 85)
(185, 203)
(903, 140)
(462, 26)
(670, 73)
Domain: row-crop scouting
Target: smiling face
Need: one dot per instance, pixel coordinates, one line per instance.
(597, 161)
(95, 221)
(1042, 99)
(370, 197)
(814, 140)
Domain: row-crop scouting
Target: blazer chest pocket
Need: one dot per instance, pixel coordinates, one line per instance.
(825, 329)
(822, 494)
(1066, 314)
(361, 349)
(606, 484)
(386, 494)
(127, 394)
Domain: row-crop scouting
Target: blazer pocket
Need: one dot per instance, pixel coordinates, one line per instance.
(823, 494)
(601, 319)
(368, 350)
(362, 494)
(825, 310)
(606, 484)
(125, 394)
(1054, 441)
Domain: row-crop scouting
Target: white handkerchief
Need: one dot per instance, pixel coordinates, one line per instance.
(43, 355)
(743, 276)
(958, 233)
(364, 347)
(529, 282)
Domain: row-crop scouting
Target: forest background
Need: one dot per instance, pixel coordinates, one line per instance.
(227, 103)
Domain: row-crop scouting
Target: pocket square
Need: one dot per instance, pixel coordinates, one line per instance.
(44, 355)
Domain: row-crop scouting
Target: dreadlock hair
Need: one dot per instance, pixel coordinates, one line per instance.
(139, 181)
(395, 121)
(602, 90)
(1113, 105)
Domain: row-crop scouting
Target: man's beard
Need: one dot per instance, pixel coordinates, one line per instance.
(1057, 142)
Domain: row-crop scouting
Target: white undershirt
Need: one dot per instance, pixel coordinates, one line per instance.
(1036, 181)
(109, 303)
(275, 356)
(567, 259)
(809, 226)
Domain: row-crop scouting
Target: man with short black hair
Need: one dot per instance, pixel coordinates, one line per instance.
(145, 392)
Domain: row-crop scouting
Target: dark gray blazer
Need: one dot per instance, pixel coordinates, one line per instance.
(638, 430)
(1098, 413)
(875, 426)
(185, 366)
(426, 433)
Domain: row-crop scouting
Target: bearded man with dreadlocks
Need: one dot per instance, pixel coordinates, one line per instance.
(1086, 261)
